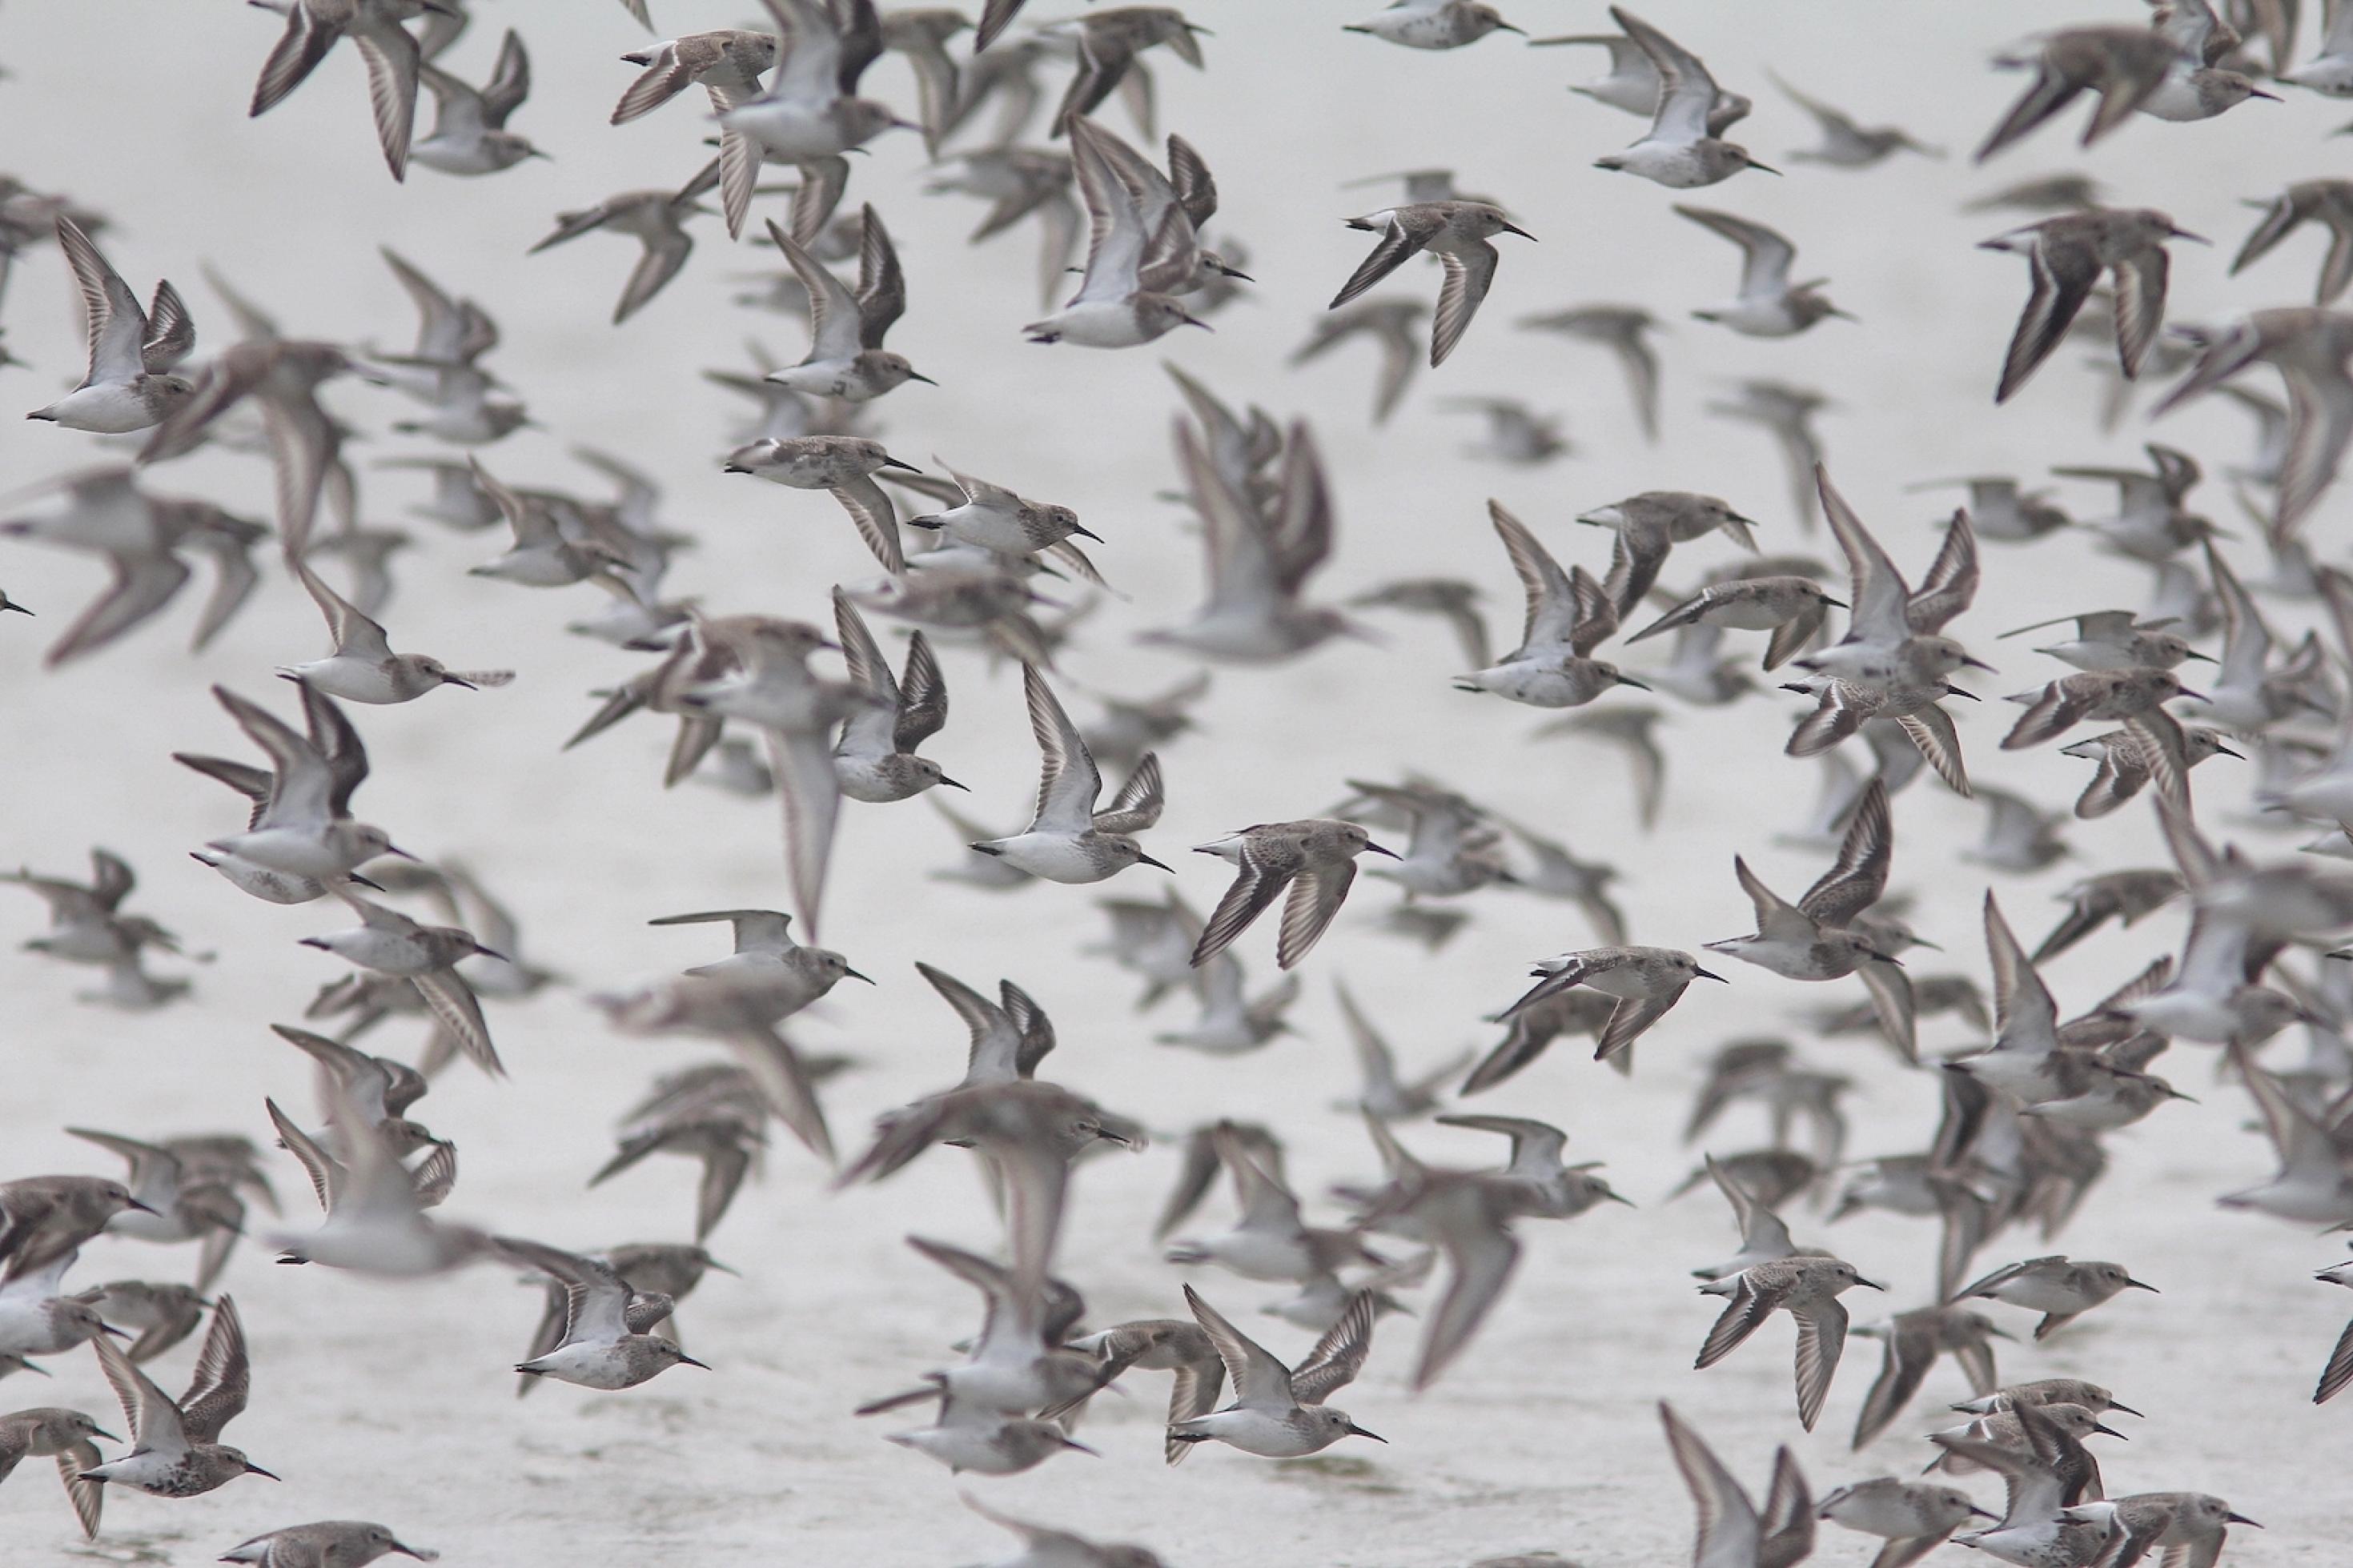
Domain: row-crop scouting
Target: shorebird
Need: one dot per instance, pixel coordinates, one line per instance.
(1808, 1289)
(1279, 1411)
(1644, 983)
(875, 757)
(1457, 233)
(597, 1348)
(1067, 840)
(1769, 305)
(2067, 255)
(177, 1450)
(1685, 148)
(1314, 858)
(129, 384)
(846, 357)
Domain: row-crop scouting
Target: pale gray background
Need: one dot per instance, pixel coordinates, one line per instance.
(395, 1403)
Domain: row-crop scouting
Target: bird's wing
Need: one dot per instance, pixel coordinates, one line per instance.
(1859, 877)
(118, 328)
(1068, 783)
(1551, 599)
(224, 1377)
(1338, 1356)
(1316, 893)
(833, 308)
(1468, 277)
(1821, 1336)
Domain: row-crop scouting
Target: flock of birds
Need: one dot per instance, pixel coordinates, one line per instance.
(964, 560)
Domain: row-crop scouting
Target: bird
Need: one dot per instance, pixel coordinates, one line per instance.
(2125, 65)
(129, 384)
(469, 134)
(328, 1543)
(1643, 982)
(809, 114)
(1684, 149)
(1846, 144)
(597, 1348)
(2328, 202)
(1434, 23)
(64, 1435)
(1808, 1289)
(1733, 1531)
(177, 1450)
(846, 357)
(1128, 296)
(1392, 322)
(1813, 939)
(875, 758)
(1623, 330)
(1913, 1517)
(1279, 1411)
(656, 220)
(2067, 254)
(1569, 615)
(1457, 233)
(2060, 1288)
(1792, 608)
(314, 27)
(388, 942)
(1068, 840)
(1316, 857)
(1769, 305)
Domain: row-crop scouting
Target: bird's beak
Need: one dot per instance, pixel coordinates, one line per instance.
(2126, 1408)
(1378, 850)
(1834, 603)
(2241, 1518)
(852, 974)
(1630, 680)
(918, 375)
(1976, 663)
(481, 952)
(454, 681)
(1196, 321)
(118, 1333)
(690, 1361)
(1144, 860)
(1524, 234)
(1872, 1283)
(895, 463)
(1762, 168)
(1704, 975)
(1983, 1513)
(2197, 238)
(2202, 658)
(2193, 696)
(1507, 27)
(253, 1469)
(1081, 1447)
(2132, 1284)
(2226, 752)
(1235, 273)
(397, 849)
(953, 784)
(135, 1203)
(1086, 534)
(1359, 1431)
(2111, 1432)
(422, 1556)
(357, 880)
(102, 1432)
